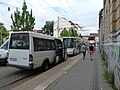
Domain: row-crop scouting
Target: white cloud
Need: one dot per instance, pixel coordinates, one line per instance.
(86, 11)
(1, 20)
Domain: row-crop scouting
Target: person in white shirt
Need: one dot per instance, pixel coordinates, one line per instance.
(84, 49)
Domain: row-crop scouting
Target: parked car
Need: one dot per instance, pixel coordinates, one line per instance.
(4, 52)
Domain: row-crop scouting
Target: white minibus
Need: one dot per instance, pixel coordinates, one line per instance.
(30, 50)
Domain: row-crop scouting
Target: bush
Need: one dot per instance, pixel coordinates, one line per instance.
(104, 61)
(109, 78)
(107, 74)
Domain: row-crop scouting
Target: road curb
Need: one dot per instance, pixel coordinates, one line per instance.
(48, 84)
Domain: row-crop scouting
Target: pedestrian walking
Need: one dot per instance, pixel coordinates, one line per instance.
(91, 51)
(83, 49)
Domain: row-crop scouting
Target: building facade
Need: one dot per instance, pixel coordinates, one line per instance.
(101, 29)
(109, 31)
(62, 23)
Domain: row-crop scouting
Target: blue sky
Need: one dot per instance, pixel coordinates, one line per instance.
(83, 12)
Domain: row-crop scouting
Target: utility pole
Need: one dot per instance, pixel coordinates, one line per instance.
(58, 26)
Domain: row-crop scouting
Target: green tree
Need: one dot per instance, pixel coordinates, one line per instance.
(22, 21)
(80, 35)
(73, 32)
(64, 32)
(5, 33)
(70, 32)
(48, 28)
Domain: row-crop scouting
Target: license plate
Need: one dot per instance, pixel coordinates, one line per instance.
(13, 59)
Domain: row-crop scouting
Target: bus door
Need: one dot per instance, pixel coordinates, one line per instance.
(59, 49)
(19, 49)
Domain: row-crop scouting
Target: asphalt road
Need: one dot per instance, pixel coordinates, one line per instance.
(12, 77)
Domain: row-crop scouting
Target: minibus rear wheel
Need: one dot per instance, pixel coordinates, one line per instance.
(45, 65)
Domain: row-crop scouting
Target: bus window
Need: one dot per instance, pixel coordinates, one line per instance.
(69, 42)
(38, 44)
(19, 41)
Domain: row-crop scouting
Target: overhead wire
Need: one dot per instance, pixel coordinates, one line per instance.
(53, 8)
(8, 5)
(5, 5)
(63, 9)
(38, 20)
(37, 11)
(72, 10)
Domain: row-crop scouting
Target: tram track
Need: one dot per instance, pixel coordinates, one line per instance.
(12, 73)
(17, 76)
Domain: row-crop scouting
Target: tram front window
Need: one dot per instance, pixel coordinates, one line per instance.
(69, 42)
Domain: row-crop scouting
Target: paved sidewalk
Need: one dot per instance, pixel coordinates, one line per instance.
(73, 74)
(85, 75)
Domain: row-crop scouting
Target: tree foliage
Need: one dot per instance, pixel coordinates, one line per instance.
(73, 32)
(64, 33)
(5, 33)
(22, 21)
(70, 32)
(80, 35)
(48, 28)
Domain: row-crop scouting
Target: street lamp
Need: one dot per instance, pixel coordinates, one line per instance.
(1, 24)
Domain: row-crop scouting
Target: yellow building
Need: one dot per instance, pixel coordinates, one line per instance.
(109, 29)
(111, 14)
(106, 16)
